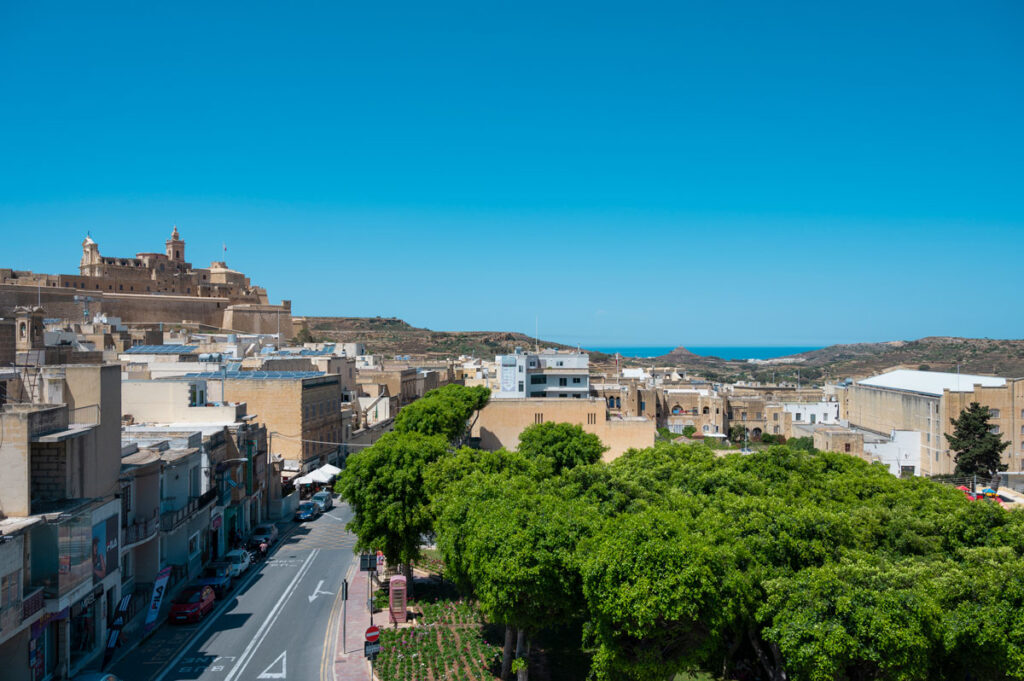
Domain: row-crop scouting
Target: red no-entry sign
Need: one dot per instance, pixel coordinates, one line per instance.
(372, 634)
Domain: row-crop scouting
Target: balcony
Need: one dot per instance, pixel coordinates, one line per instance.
(172, 520)
(32, 603)
(139, 531)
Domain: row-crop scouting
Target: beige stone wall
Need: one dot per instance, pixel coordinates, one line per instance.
(140, 307)
(881, 411)
(93, 396)
(14, 462)
(501, 421)
(843, 440)
(707, 413)
(295, 410)
(1007, 402)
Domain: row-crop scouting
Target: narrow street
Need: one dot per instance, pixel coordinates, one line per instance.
(279, 622)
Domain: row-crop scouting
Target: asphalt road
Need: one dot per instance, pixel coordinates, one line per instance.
(278, 623)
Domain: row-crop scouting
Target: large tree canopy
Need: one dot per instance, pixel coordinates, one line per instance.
(560, 445)
(444, 411)
(384, 486)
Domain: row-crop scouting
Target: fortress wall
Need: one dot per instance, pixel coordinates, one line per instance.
(131, 308)
(259, 319)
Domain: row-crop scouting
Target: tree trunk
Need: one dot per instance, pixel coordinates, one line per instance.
(408, 579)
(506, 653)
(522, 652)
(775, 671)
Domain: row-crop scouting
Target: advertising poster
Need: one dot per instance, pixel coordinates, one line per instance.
(103, 557)
(159, 587)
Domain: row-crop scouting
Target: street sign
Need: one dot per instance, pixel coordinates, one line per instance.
(371, 650)
(372, 634)
(367, 562)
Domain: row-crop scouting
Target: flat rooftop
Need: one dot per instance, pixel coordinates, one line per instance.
(931, 382)
(161, 350)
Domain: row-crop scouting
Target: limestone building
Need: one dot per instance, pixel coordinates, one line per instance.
(149, 287)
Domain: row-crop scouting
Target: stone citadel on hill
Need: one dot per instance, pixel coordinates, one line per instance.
(149, 288)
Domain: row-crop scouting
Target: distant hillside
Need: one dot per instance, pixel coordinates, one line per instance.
(390, 336)
(938, 353)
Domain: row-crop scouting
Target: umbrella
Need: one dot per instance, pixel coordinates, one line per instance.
(329, 469)
(962, 488)
(988, 490)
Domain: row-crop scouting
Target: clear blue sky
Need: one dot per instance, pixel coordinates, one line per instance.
(745, 173)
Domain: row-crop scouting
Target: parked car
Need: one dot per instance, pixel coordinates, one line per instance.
(307, 510)
(238, 562)
(267, 533)
(192, 604)
(325, 500)
(216, 575)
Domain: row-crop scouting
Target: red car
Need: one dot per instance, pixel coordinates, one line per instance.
(192, 604)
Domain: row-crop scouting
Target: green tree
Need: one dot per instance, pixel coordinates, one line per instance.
(737, 433)
(303, 336)
(688, 431)
(513, 540)
(384, 486)
(444, 411)
(561, 445)
(978, 449)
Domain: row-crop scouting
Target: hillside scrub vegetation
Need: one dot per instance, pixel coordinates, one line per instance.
(782, 564)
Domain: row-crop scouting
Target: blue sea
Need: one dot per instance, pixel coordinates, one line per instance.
(722, 351)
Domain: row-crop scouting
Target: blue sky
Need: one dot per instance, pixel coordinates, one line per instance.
(741, 173)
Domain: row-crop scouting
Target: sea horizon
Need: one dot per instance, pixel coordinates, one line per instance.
(721, 351)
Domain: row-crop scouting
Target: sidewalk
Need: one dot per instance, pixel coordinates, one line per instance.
(349, 663)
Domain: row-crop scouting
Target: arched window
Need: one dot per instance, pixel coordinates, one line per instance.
(706, 428)
(611, 402)
(22, 330)
(676, 409)
(706, 410)
(618, 403)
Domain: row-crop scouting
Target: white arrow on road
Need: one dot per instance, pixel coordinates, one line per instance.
(318, 592)
(267, 674)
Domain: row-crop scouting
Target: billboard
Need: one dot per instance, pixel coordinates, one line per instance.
(103, 556)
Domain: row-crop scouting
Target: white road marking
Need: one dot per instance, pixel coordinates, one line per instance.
(318, 592)
(328, 515)
(264, 629)
(283, 674)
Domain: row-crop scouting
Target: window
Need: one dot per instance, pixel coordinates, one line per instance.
(591, 419)
(538, 418)
(993, 413)
(576, 380)
(560, 363)
(10, 590)
(758, 416)
(126, 502)
(562, 395)
(775, 417)
(538, 379)
(743, 416)
(776, 430)
(618, 403)
(994, 429)
(705, 427)
(521, 386)
(643, 406)
(611, 402)
(705, 410)
(520, 368)
(798, 417)
(563, 381)
(846, 447)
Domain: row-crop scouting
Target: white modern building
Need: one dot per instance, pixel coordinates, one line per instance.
(549, 373)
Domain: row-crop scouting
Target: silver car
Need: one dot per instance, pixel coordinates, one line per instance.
(324, 500)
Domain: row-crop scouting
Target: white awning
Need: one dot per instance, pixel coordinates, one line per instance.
(329, 469)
